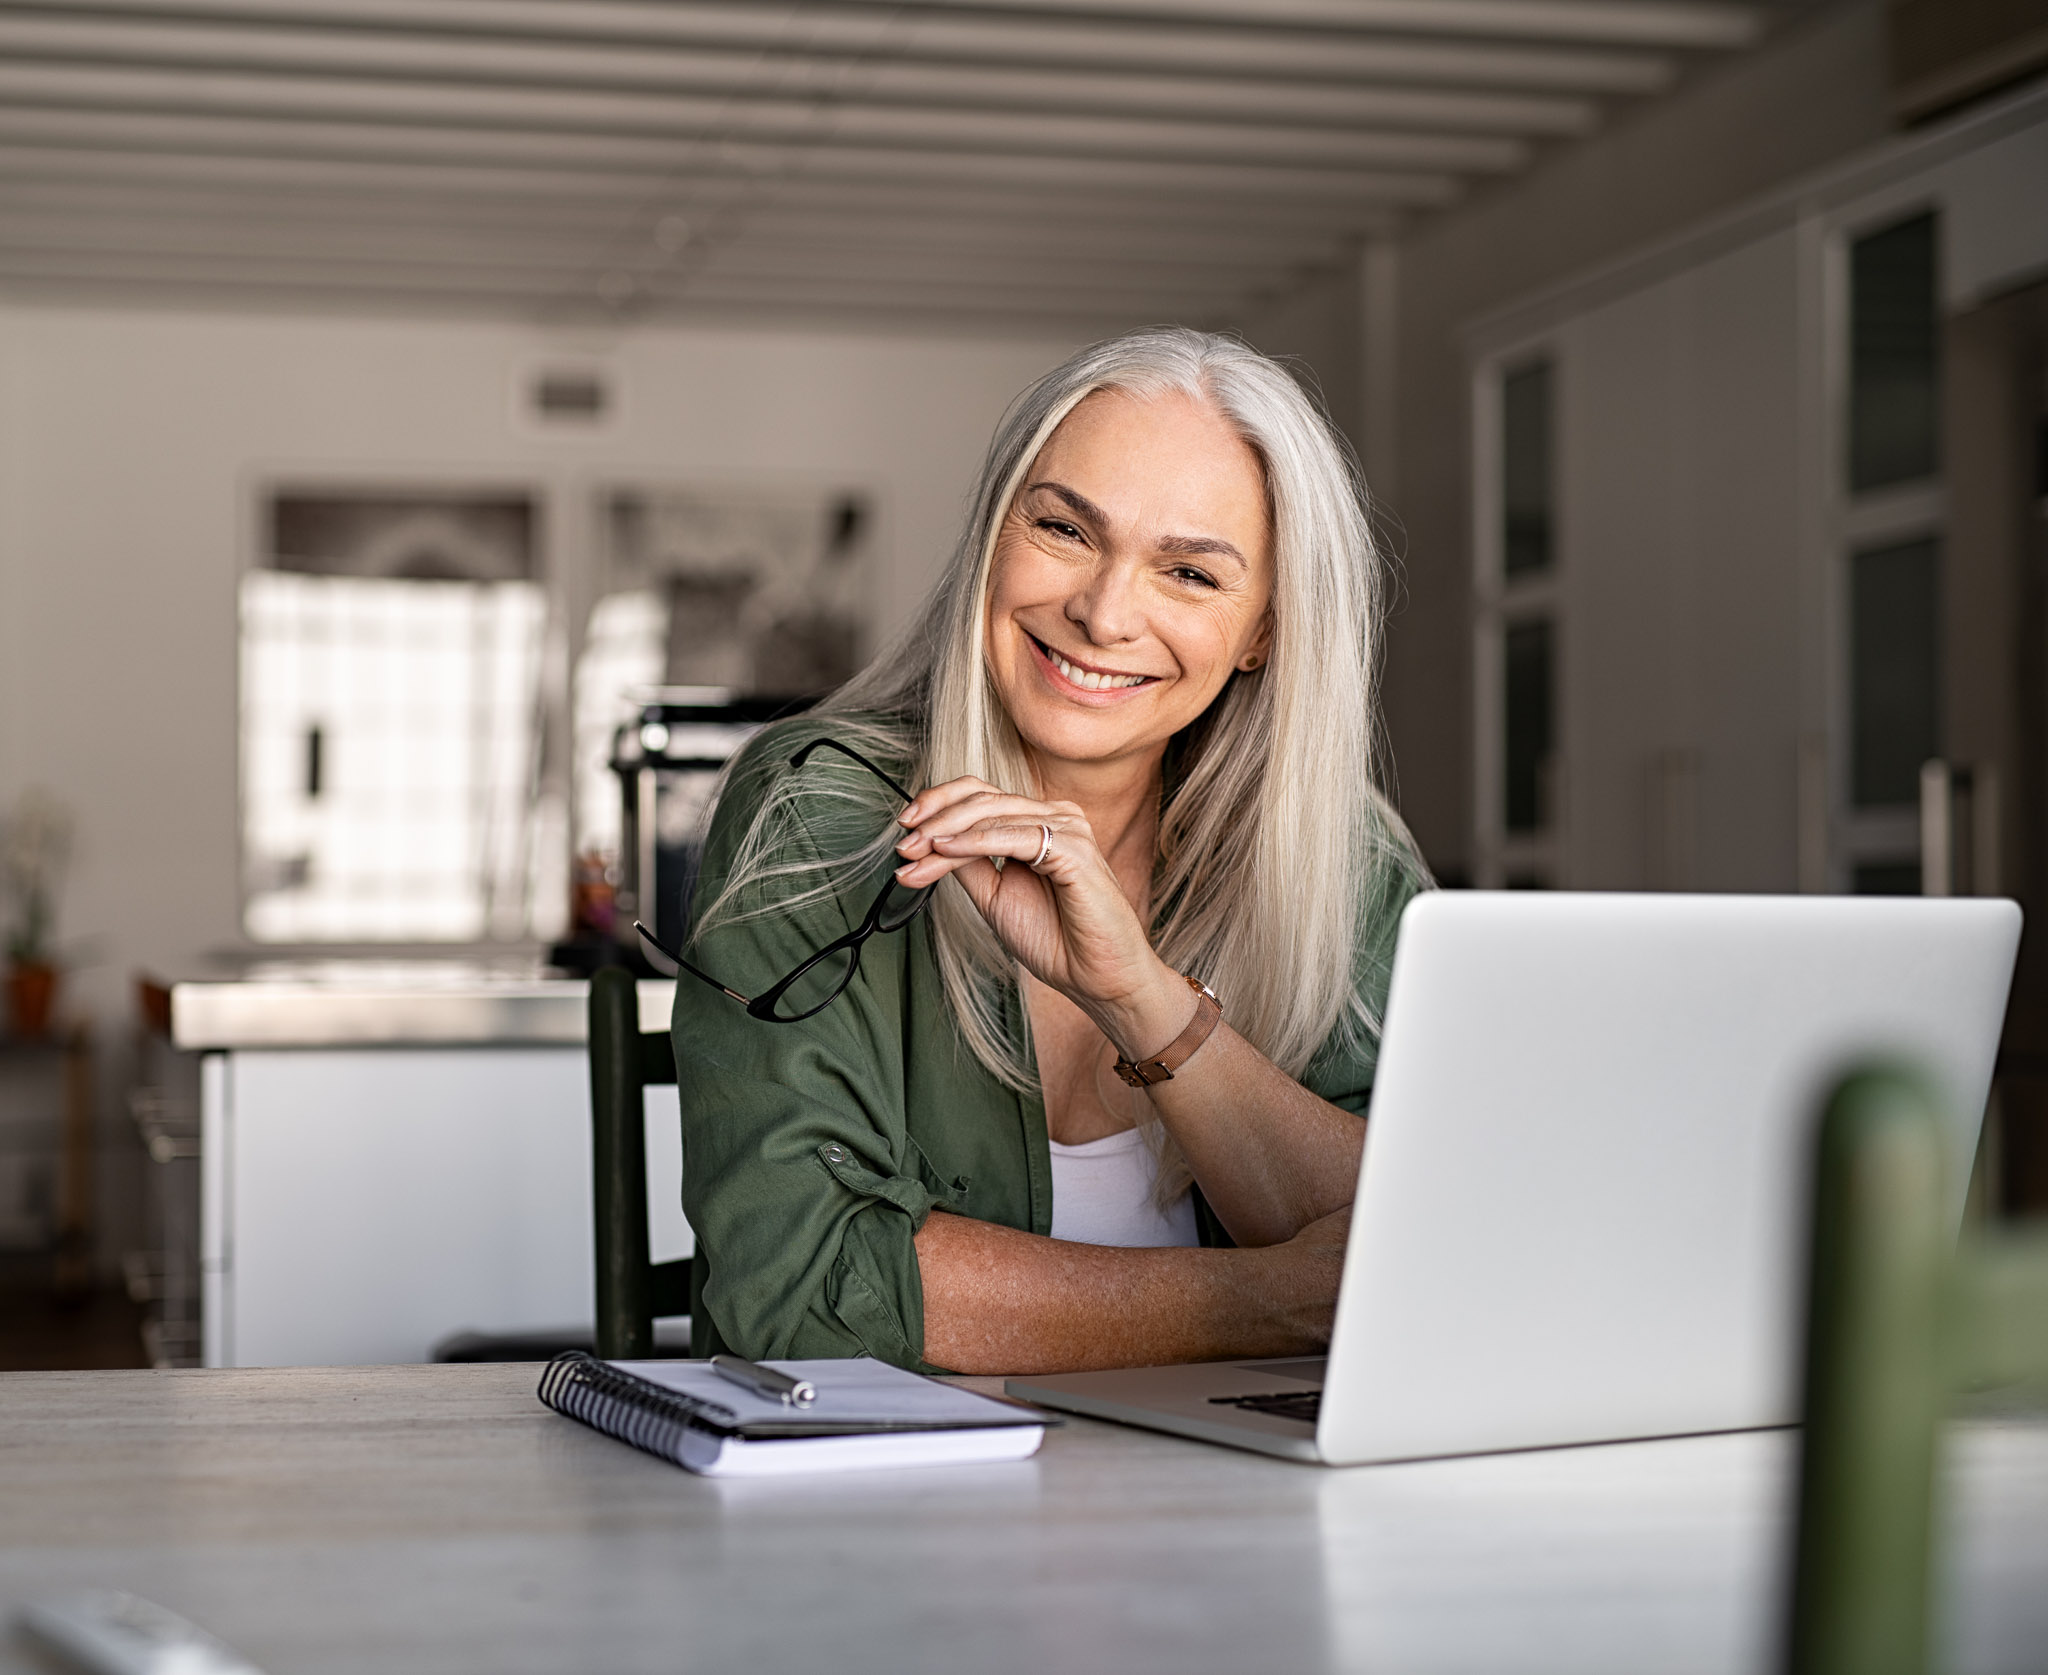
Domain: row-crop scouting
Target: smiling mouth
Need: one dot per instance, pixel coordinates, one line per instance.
(1088, 680)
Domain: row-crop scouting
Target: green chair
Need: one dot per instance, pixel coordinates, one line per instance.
(632, 1292)
(1899, 1322)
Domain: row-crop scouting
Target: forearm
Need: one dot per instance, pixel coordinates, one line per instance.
(1270, 1156)
(997, 1300)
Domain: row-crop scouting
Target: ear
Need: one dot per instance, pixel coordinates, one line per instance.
(1256, 653)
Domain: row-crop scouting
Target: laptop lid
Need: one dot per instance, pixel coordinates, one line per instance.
(1582, 1214)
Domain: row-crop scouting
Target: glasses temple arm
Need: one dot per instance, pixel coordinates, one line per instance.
(889, 780)
(677, 960)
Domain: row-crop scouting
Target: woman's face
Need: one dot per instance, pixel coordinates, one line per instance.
(1132, 574)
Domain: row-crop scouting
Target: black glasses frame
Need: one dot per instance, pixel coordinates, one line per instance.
(876, 923)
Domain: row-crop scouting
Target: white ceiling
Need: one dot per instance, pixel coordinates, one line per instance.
(1066, 164)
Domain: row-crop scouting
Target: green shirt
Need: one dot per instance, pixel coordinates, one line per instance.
(813, 1151)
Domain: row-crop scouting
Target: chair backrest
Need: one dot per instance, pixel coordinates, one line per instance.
(632, 1292)
(1899, 1320)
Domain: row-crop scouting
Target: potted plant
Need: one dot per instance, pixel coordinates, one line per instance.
(35, 843)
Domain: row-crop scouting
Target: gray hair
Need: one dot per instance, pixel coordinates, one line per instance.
(1272, 832)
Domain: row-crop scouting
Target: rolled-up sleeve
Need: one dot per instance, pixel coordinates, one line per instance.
(798, 1176)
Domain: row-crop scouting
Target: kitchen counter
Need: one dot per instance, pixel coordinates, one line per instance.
(447, 1003)
(393, 1153)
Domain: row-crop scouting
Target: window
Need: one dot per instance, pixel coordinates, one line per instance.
(1889, 542)
(1527, 684)
(1894, 364)
(1519, 673)
(1525, 470)
(1894, 702)
(390, 679)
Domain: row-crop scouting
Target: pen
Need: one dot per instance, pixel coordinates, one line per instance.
(765, 1381)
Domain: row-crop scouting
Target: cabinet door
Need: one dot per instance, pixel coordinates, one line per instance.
(377, 1201)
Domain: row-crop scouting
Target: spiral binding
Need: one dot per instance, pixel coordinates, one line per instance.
(631, 1409)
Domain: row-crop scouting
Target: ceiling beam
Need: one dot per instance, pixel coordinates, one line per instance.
(32, 215)
(1012, 39)
(1664, 23)
(663, 164)
(585, 262)
(531, 115)
(538, 296)
(553, 284)
(74, 43)
(718, 203)
(28, 183)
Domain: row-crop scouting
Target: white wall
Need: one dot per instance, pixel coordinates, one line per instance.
(132, 447)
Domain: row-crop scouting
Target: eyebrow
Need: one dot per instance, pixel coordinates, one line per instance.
(1185, 545)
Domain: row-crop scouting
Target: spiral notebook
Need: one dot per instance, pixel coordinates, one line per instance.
(867, 1414)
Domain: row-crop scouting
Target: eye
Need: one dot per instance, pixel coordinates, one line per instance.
(1197, 578)
(1061, 528)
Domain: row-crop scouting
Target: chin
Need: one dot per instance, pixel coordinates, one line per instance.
(1072, 736)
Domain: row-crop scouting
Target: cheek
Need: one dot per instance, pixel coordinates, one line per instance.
(1022, 578)
(1009, 576)
(1212, 637)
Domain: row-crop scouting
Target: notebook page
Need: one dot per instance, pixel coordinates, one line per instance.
(855, 1391)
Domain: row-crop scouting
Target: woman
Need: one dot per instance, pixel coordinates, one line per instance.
(1012, 1133)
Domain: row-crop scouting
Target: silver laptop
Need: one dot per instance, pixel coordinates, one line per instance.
(1582, 1213)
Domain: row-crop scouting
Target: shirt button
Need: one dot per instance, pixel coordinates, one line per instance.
(835, 1154)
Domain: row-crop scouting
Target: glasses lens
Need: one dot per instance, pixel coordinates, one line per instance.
(901, 906)
(816, 986)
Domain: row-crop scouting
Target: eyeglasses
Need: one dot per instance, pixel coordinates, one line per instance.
(822, 978)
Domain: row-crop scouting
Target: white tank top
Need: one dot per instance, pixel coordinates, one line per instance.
(1102, 1195)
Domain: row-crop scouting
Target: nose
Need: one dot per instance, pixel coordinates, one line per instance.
(1106, 607)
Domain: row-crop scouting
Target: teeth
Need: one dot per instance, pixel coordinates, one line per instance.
(1087, 679)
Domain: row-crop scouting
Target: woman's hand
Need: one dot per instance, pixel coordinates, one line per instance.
(1068, 923)
(1299, 1294)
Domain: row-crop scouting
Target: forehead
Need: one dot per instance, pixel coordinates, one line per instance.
(1165, 459)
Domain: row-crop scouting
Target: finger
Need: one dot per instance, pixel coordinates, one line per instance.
(1012, 841)
(976, 872)
(981, 809)
(965, 806)
(981, 879)
(981, 843)
(935, 797)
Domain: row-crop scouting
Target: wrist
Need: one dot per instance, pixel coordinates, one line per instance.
(1265, 1304)
(1142, 1022)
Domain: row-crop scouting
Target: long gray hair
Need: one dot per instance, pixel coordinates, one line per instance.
(1272, 831)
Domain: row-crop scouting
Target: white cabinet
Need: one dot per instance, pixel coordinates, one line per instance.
(362, 1202)
(1663, 698)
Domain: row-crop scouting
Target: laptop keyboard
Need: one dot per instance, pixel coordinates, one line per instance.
(1284, 1404)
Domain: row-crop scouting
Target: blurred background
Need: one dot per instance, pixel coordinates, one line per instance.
(420, 419)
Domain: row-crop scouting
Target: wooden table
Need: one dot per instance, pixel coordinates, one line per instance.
(436, 1518)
